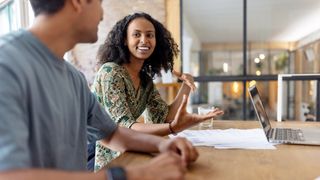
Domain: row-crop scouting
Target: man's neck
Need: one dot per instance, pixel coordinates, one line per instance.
(53, 34)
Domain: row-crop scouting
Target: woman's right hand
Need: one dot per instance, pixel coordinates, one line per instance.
(186, 78)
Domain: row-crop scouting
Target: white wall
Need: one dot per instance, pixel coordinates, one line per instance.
(191, 47)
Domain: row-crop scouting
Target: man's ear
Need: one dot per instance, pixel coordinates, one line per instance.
(76, 4)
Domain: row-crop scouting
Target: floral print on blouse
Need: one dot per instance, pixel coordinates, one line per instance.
(115, 91)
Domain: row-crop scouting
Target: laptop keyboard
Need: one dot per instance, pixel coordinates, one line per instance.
(288, 134)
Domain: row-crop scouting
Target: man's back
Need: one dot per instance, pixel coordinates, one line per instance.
(45, 107)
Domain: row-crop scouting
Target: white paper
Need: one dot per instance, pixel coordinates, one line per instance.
(228, 138)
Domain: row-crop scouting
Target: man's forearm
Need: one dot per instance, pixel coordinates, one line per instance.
(155, 129)
(41, 174)
(125, 139)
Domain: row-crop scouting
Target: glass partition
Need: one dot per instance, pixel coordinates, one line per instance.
(299, 100)
(281, 38)
(224, 95)
(212, 37)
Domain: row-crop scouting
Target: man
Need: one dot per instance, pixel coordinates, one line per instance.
(48, 113)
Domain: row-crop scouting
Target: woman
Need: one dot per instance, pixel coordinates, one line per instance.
(136, 50)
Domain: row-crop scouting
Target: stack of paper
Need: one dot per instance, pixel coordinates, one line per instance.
(229, 138)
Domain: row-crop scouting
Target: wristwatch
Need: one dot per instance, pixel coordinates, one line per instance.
(116, 173)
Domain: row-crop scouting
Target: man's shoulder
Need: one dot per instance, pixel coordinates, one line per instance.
(76, 74)
(12, 51)
(9, 40)
(12, 45)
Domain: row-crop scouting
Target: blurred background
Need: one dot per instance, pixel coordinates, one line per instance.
(227, 45)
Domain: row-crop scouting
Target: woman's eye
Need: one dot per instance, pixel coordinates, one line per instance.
(151, 35)
(136, 35)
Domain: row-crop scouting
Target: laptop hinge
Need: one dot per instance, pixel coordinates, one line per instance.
(270, 133)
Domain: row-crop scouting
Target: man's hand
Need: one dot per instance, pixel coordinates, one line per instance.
(170, 164)
(181, 146)
(165, 166)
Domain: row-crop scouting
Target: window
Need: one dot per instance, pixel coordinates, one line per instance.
(14, 15)
(6, 19)
(227, 44)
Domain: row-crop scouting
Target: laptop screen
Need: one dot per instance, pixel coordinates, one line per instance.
(259, 109)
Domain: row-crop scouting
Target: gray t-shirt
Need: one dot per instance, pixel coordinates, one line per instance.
(47, 111)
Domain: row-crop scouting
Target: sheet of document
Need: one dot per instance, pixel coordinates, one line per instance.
(228, 138)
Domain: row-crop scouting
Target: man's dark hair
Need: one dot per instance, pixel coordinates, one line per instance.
(46, 6)
(115, 50)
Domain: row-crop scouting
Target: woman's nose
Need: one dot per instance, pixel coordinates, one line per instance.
(143, 39)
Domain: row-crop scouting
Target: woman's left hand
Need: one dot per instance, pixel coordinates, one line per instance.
(186, 78)
(184, 120)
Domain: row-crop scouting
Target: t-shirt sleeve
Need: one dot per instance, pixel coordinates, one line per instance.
(112, 96)
(14, 134)
(157, 108)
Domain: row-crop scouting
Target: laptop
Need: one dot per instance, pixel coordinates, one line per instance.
(308, 136)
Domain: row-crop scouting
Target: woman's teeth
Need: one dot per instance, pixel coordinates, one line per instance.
(143, 48)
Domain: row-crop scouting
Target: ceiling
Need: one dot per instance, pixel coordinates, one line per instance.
(268, 20)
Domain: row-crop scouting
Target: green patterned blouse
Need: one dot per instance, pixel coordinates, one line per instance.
(114, 90)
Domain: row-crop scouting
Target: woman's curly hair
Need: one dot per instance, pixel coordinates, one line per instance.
(115, 50)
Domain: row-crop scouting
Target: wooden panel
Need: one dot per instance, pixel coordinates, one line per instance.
(170, 89)
(251, 45)
(173, 25)
(298, 84)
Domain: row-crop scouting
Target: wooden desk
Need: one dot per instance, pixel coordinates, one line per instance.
(286, 162)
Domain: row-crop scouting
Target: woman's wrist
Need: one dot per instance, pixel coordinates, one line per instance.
(171, 129)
